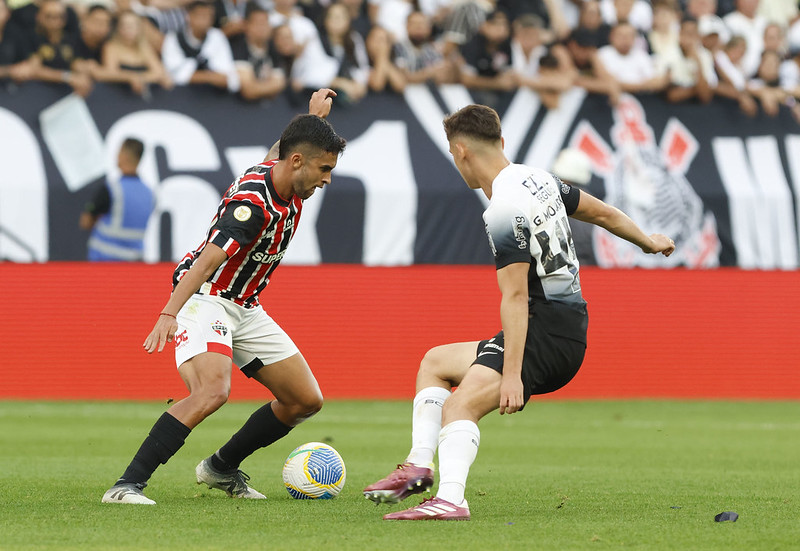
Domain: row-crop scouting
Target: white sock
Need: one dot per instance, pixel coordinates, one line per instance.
(425, 425)
(458, 447)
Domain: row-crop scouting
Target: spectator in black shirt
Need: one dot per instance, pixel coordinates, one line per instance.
(12, 48)
(53, 49)
(259, 78)
(95, 30)
(486, 64)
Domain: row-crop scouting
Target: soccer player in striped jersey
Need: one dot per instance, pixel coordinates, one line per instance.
(215, 319)
(542, 313)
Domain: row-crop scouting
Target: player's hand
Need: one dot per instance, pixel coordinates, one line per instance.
(660, 244)
(163, 332)
(321, 102)
(511, 395)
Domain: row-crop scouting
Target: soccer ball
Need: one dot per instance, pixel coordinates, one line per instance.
(314, 471)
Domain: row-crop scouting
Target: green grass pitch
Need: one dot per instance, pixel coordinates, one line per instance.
(560, 475)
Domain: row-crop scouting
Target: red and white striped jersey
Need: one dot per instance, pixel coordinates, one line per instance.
(253, 225)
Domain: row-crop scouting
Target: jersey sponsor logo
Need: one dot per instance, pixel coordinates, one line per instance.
(181, 338)
(242, 213)
(265, 258)
(219, 328)
(519, 232)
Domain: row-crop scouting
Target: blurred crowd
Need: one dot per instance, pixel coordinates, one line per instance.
(687, 50)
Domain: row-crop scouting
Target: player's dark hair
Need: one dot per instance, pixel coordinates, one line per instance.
(474, 121)
(313, 131)
(134, 147)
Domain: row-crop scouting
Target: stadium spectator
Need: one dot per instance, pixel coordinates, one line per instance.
(284, 49)
(766, 85)
(546, 71)
(543, 315)
(259, 77)
(745, 22)
(13, 52)
(551, 12)
(391, 15)
(732, 81)
(199, 54)
(359, 20)
(582, 46)
(690, 67)
(664, 34)
(24, 19)
(775, 39)
(790, 74)
(784, 13)
(638, 13)
(118, 213)
(221, 321)
(311, 66)
(229, 15)
(384, 73)
(418, 57)
(486, 61)
(95, 29)
(591, 20)
(129, 58)
(462, 22)
(53, 49)
(712, 33)
(346, 48)
(629, 65)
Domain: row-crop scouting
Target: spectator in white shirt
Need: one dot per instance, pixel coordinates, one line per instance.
(732, 82)
(200, 53)
(312, 68)
(746, 23)
(629, 65)
(549, 73)
(766, 86)
(664, 35)
(636, 12)
(690, 66)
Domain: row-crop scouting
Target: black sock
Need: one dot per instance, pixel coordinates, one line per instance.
(165, 438)
(262, 429)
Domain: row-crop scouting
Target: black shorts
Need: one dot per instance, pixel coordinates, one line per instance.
(550, 361)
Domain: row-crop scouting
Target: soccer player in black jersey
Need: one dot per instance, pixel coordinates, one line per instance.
(542, 312)
(215, 319)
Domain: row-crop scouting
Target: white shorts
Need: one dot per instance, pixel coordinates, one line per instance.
(248, 336)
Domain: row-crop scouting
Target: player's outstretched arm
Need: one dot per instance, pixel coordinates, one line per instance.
(593, 210)
(164, 330)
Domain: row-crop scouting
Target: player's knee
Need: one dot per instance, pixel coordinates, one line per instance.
(211, 399)
(432, 363)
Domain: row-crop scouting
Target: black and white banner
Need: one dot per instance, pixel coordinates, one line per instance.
(723, 185)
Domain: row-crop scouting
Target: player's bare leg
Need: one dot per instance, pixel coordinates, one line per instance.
(477, 395)
(297, 397)
(442, 368)
(207, 376)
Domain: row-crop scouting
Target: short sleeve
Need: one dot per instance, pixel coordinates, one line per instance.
(240, 223)
(569, 194)
(509, 234)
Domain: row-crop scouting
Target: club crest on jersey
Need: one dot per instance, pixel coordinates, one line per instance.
(646, 179)
(219, 328)
(242, 213)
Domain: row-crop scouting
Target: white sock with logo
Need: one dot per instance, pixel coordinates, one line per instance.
(458, 447)
(426, 423)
